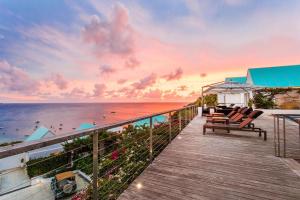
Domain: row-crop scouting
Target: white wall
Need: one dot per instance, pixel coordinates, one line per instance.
(279, 111)
(227, 98)
(45, 151)
(13, 162)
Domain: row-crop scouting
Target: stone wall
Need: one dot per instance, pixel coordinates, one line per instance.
(288, 100)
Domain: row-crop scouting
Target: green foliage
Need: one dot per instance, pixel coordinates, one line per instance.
(117, 172)
(250, 103)
(265, 98)
(53, 163)
(211, 100)
(79, 145)
(125, 156)
(198, 102)
(9, 143)
(263, 101)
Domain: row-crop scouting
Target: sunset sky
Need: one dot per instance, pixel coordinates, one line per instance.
(138, 50)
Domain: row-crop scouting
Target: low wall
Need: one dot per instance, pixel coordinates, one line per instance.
(279, 111)
(13, 162)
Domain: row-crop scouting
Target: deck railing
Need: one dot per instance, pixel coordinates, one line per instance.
(287, 135)
(110, 159)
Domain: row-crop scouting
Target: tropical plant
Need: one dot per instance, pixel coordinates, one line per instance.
(263, 101)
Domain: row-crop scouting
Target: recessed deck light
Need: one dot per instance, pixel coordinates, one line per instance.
(139, 185)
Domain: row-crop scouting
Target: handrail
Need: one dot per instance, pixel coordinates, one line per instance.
(28, 146)
(292, 117)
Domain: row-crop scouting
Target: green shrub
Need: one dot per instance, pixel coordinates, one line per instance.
(211, 100)
(9, 143)
(263, 101)
(53, 163)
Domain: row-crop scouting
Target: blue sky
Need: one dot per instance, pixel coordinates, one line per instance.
(104, 50)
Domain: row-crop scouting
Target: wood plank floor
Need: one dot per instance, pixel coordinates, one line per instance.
(238, 165)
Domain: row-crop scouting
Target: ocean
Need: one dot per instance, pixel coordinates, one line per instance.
(17, 121)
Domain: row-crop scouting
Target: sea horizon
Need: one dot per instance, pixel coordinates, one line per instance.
(18, 120)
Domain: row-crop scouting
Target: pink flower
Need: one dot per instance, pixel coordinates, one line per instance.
(79, 196)
(115, 155)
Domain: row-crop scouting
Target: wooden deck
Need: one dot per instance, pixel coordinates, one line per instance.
(238, 165)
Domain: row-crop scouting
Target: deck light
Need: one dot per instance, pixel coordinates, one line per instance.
(179, 137)
(37, 181)
(139, 185)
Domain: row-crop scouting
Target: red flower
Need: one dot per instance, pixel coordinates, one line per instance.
(80, 196)
(115, 155)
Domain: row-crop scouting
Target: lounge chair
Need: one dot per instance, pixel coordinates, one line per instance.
(243, 114)
(233, 112)
(243, 126)
(237, 119)
(234, 117)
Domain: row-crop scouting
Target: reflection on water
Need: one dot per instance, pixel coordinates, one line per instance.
(18, 120)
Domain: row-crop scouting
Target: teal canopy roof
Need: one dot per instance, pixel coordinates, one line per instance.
(84, 126)
(156, 119)
(275, 77)
(241, 79)
(38, 134)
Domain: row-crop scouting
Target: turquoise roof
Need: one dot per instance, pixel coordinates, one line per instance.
(38, 134)
(84, 126)
(241, 79)
(156, 119)
(275, 77)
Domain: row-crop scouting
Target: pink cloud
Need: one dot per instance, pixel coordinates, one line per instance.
(182, 88)
(114, 35)
(171, 95)
(121, 81)
(153, 94)
(76, 93)
(127, 92)
(174, 76)
(203, 75)
(107, 69)
(145, 82)
(59, 80)
(132, 62)
(15, 79)
(99, 90)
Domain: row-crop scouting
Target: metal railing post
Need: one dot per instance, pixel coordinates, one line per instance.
(275, 138)
(284, 142)
(151, 140)
(194, 111)
(95, 165)
(179, 119)
(170, 127)
(278, 137)
(185, 116)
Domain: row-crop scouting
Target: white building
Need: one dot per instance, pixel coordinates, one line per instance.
(19, 160)
(238, 90)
